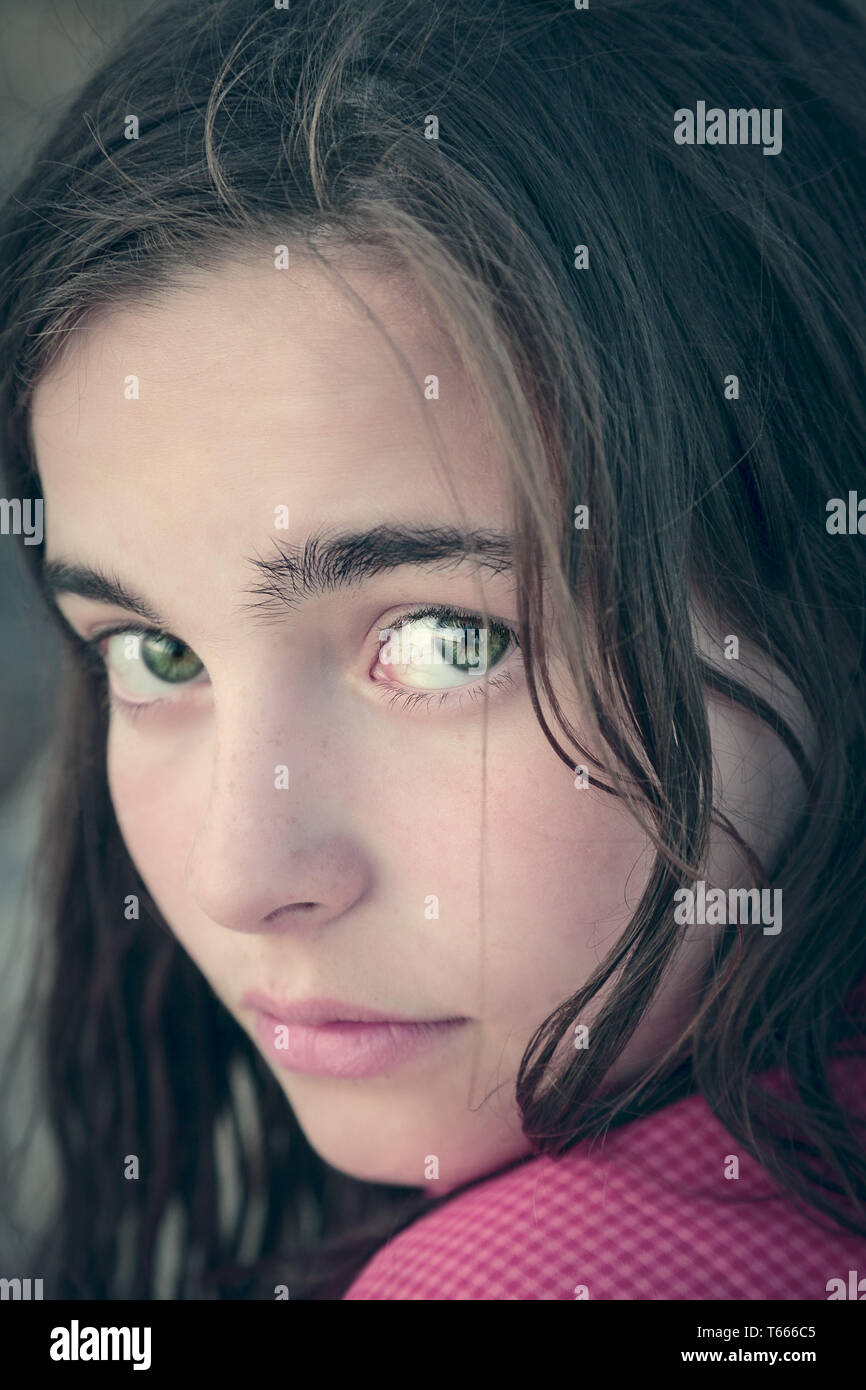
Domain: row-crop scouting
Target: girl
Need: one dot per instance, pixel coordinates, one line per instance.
(456, 860)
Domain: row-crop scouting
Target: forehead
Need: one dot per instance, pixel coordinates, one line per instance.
(249, 388)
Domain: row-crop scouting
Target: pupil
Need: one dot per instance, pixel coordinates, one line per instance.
(169, 659)
(470, 641)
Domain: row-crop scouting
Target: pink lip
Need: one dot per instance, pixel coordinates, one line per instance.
(318, 1011)
(325, 1037)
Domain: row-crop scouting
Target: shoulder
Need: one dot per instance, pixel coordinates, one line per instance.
(665, 1208)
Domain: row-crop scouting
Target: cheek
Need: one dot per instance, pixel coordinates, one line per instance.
(563, 870)
(158, 798)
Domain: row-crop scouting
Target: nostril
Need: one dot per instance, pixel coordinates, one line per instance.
(290, 908)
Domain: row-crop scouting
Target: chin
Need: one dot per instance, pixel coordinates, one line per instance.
(404, 1160)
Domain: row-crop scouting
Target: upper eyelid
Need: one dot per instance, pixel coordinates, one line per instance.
(99, 637)
(419, 611)
(444, 610)
(113, 630)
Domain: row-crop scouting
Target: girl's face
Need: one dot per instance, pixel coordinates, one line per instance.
(246, 468)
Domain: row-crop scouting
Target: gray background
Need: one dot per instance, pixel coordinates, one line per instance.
(47, 49)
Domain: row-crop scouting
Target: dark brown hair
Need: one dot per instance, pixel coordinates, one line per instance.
(306, 126)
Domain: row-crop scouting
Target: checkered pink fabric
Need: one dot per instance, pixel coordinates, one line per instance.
(650, 1214)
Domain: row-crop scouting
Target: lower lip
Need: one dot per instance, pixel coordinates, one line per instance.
(348, 1049)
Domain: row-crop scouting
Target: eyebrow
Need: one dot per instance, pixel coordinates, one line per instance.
(325, 563)
(59, 577)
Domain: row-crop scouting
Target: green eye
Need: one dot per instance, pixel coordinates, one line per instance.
(168, 659)
(437, 650)
(143, 663)
(462, 648)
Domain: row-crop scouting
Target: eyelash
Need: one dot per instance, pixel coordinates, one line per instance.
(128, 708)
(410, 699)
(395, 697)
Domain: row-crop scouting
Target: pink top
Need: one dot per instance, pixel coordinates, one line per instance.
(651, 1213)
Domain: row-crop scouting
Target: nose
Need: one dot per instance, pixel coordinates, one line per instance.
(271, 857)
